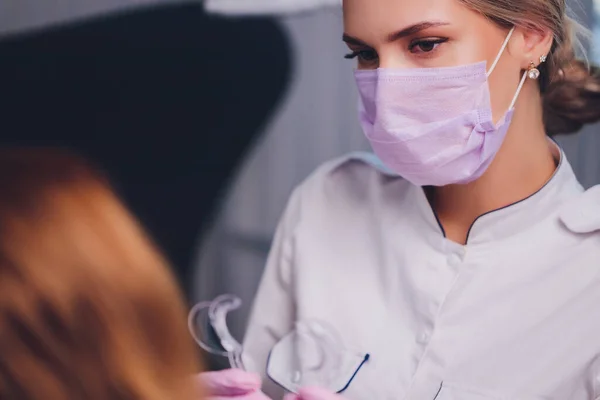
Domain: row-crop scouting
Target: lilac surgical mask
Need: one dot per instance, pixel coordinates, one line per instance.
(433, 126)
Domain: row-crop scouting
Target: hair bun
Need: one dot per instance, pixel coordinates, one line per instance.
(572, 99)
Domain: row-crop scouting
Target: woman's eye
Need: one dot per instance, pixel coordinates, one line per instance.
(363, 55)
(426, 46)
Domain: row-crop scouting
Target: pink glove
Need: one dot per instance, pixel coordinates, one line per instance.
(314, 394)
(232, 384)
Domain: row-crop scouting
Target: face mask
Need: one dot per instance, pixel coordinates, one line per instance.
(433, 126)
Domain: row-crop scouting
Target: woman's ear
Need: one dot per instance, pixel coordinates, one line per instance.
(531, 45)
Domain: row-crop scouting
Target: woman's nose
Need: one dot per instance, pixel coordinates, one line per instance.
(392, 58)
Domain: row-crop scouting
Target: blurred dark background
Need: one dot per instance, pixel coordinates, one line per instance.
(166, 99)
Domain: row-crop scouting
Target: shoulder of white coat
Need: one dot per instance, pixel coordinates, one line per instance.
(582, 214)
(361, 158)
(354, 174)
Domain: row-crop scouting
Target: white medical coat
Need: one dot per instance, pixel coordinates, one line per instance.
(513, 314)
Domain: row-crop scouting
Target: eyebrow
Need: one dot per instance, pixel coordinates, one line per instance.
(392, 37)
(352, 40)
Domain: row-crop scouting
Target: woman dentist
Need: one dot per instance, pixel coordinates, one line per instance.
(464, 261)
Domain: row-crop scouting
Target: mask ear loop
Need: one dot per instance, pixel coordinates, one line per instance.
(501, 51)
(495, 63)
(514, 100)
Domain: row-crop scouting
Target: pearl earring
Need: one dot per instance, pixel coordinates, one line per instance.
(533, 72)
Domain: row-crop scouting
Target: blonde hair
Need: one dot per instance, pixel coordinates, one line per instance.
(88, 308)
(570, 87)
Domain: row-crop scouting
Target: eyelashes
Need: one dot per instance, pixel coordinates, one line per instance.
(362, 55)
(423, 47)
(426, 45)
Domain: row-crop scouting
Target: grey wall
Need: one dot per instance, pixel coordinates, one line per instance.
(19, 15)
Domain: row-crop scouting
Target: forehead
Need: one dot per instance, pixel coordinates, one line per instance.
(380, 17)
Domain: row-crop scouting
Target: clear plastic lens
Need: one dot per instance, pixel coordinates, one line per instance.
(312, 354)
(207, 323)
(202, 330)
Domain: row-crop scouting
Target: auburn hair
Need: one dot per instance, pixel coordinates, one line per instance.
(88, 307)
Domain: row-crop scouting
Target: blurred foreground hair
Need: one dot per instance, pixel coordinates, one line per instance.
(88, 307)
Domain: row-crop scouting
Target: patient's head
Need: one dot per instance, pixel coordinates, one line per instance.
(88, 308)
